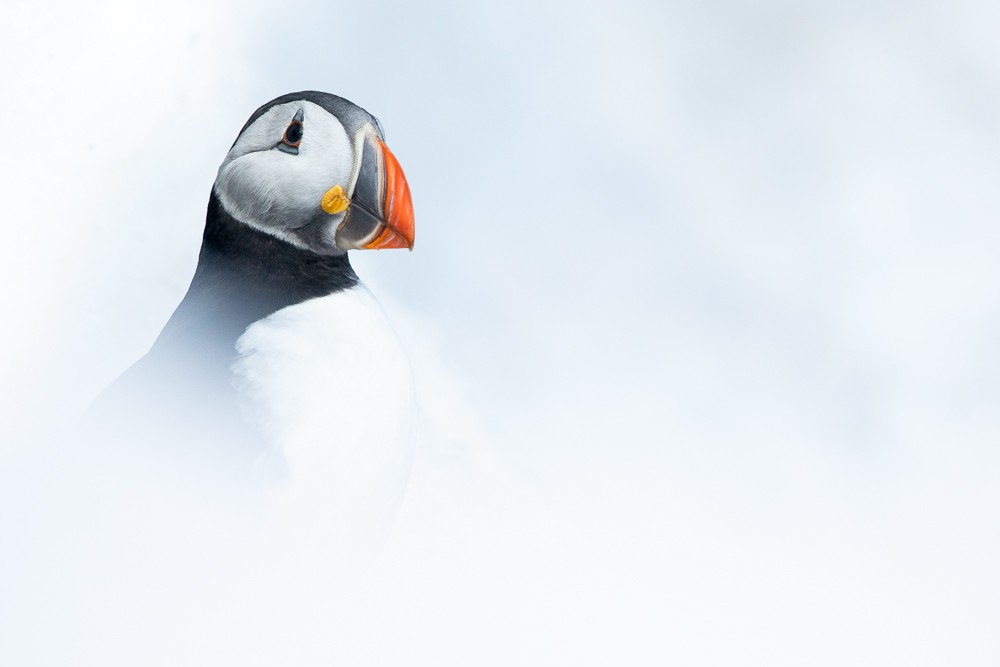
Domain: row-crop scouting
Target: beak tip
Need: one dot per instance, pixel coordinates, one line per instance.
(398, 203)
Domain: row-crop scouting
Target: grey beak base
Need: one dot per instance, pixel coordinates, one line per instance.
(364, 215)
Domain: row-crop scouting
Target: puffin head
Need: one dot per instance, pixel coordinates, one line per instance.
(313, 170)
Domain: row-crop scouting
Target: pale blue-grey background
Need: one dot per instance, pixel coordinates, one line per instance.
(703, 307)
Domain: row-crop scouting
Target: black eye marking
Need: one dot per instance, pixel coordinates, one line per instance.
(293, 135)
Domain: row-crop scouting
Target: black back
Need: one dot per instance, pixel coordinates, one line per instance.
(182, 386)
(244, 275)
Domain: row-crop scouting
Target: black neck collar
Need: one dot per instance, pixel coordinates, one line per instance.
(234, 250)
(244, 275)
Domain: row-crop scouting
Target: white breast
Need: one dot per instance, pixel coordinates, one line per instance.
(328, 384)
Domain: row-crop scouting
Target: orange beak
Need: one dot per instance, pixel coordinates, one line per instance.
(378, 212)
(397, 227)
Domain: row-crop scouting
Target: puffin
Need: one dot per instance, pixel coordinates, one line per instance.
(279, 363)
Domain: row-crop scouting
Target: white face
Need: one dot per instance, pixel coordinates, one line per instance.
(280, 193)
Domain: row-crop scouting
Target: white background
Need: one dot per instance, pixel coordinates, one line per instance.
(703, 309)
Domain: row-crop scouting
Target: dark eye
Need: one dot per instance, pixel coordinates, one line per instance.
(292, 137)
